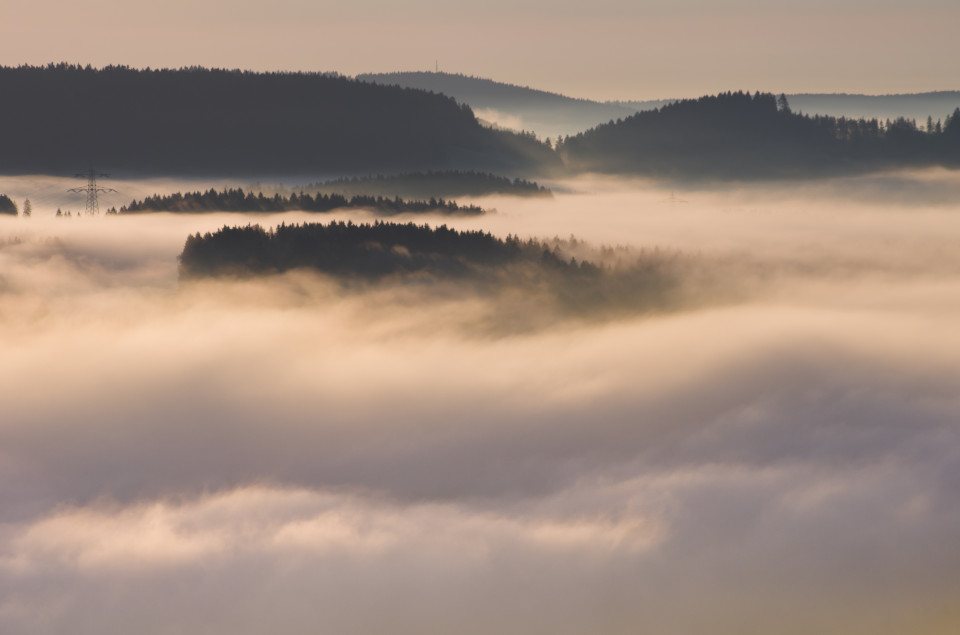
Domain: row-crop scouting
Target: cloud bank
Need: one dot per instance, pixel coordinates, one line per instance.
(290, 455)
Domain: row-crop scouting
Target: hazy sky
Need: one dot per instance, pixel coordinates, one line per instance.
(605, 49)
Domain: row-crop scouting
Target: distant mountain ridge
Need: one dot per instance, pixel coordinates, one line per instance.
(545, 113)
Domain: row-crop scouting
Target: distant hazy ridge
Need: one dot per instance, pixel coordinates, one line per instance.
(549, 114)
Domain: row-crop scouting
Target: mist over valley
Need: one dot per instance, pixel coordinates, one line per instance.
(300, 353)
(504, 447)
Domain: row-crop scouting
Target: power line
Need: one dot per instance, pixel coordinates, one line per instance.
(92, 189)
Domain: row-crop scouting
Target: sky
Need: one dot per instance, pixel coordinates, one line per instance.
(609, 49)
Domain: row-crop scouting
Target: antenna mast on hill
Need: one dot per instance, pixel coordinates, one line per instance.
(91, 189)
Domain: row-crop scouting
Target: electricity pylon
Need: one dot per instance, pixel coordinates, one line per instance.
(91, 189)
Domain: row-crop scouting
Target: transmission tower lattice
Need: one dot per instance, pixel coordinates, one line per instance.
(92, 189)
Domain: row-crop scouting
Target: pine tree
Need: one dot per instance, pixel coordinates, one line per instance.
(27, 208)
(782, 104)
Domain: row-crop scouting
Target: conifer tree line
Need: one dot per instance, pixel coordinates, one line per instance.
(9, 207)
(367, 249)
(387, 252)
(236, 200)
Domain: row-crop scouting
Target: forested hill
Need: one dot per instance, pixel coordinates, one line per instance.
(61, 118)
(741, 135)
(368, 250)
(528, 271)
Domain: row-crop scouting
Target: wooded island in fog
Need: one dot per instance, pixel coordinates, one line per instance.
(236, 200)
(542, 271)
(368, 250)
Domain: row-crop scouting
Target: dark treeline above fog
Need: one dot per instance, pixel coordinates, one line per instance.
(449, 183)
(746, 136)
(60, 118)
(541, 271)
(366, 250)
(236, 200)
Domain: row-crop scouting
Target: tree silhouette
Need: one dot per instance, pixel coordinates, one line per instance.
(782, 104)
(7, 206)
(236, 200)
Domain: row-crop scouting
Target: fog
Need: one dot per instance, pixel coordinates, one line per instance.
(778, 453)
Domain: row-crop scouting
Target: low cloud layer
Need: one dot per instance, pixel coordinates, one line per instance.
(290, 455)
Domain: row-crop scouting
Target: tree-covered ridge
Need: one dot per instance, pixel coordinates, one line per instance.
(449, 183)
(743, 135)
(7, 206)
(214, 121)
(367, 250)
(540, 275)
(236, 200)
